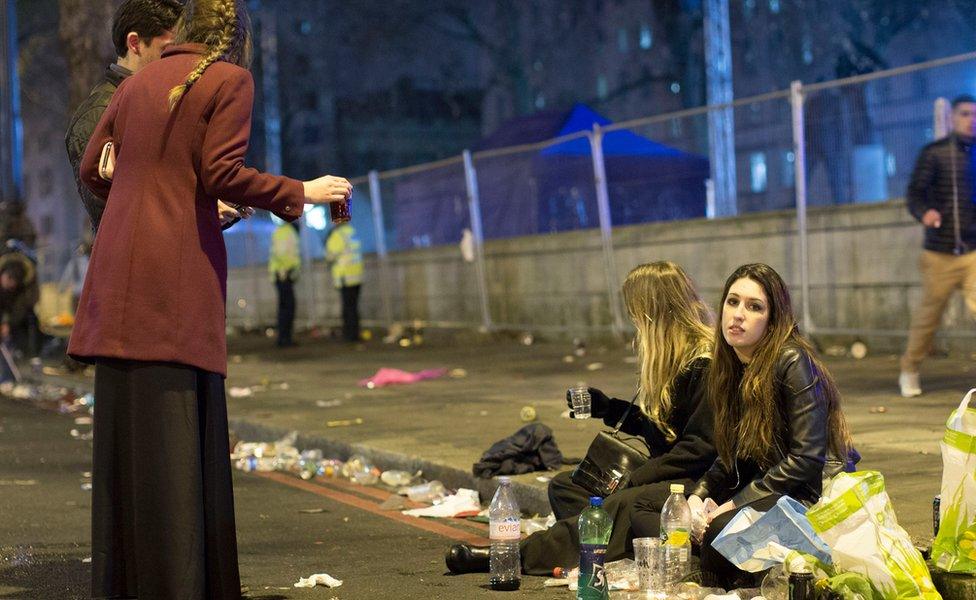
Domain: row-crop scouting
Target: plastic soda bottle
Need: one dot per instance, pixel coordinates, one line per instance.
(505, 528)
(594, 532)
(676, 536)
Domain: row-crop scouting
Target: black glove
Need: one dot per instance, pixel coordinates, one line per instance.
(599, 403)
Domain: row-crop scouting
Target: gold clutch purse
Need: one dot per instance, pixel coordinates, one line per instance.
(106, 163)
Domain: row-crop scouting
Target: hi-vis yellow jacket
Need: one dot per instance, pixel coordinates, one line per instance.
(284, 255)
(343, 253)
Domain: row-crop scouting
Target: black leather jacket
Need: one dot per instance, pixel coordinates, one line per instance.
(804, 460)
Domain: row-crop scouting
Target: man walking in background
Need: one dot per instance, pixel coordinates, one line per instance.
(345, 257)
(141, 30)
(940, 196)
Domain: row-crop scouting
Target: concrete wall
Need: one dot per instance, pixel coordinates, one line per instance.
(863, 265)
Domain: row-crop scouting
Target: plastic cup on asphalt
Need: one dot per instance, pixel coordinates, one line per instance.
(649, 556)
(580, 398)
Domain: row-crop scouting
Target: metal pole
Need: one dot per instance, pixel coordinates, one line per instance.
(800, 183)
(268, 21)
(11, 131)
(718, 79)
(474, 206)
(305, 238)
(606, 228)
(941, 118)
(250, 257)
(376, 200)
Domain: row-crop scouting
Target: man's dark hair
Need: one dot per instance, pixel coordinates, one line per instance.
(148, 18)
(963, 99)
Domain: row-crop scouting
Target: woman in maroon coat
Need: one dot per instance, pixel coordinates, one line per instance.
(151, 316)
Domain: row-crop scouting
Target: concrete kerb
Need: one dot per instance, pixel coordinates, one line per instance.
(531, 498)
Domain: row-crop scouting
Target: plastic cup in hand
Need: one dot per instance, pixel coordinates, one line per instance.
(339, 212)
(580, 398)
(649, 556)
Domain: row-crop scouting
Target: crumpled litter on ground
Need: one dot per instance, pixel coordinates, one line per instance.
(462, 504)
(530, 526)
(318, 579)
(386, 376)
(394, 502)
(248, 391)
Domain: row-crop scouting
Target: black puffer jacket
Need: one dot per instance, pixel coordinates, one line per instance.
(80, 130)
(932, 187)
(805, 458)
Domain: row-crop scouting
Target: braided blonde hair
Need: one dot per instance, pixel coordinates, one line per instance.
(223, 27)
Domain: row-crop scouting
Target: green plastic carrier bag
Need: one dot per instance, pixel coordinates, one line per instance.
(854, 516)
(954, 549)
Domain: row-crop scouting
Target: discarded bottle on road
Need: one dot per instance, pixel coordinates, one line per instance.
(505, 527)
(594, 533)
(676, 536)
(426, 492)
(308, 464)
(396, 478)
(801, 586)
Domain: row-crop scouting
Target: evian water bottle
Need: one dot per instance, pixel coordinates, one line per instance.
(505, 530)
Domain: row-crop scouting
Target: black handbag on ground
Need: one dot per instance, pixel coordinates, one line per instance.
(611, 459)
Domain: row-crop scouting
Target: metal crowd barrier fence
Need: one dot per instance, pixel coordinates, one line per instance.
(425, 227)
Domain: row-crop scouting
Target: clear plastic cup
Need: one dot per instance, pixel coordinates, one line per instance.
(579, 396)
(649, 557)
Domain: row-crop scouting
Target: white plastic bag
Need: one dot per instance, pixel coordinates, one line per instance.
(954, 549)
(855, 518)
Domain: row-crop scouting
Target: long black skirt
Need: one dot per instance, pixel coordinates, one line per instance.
(162, 501)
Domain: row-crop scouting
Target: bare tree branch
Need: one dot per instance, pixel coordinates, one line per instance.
(84, 29)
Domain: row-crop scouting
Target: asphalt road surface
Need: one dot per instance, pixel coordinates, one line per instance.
(287, 528)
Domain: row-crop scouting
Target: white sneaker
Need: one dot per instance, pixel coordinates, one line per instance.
(908, 382)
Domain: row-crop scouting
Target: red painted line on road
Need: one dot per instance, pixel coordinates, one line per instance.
(361, 490)
(435, 527)
(382, 495)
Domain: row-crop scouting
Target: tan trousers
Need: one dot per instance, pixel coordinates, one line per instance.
(942, 274)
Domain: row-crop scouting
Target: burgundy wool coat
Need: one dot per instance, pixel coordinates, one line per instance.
(157, 281)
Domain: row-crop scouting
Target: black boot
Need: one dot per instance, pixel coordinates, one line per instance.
(465, 558)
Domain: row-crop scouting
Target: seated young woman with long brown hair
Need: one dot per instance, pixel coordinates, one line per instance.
(673, 342)
(779, 429)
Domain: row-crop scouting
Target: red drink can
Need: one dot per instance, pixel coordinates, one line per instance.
(339, 212)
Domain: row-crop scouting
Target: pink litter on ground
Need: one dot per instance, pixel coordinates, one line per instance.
(387, 376)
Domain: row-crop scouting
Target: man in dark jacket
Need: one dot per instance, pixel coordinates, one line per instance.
(140, 31)
(940, 196)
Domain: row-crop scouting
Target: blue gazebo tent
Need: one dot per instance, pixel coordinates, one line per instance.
(551, 189)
